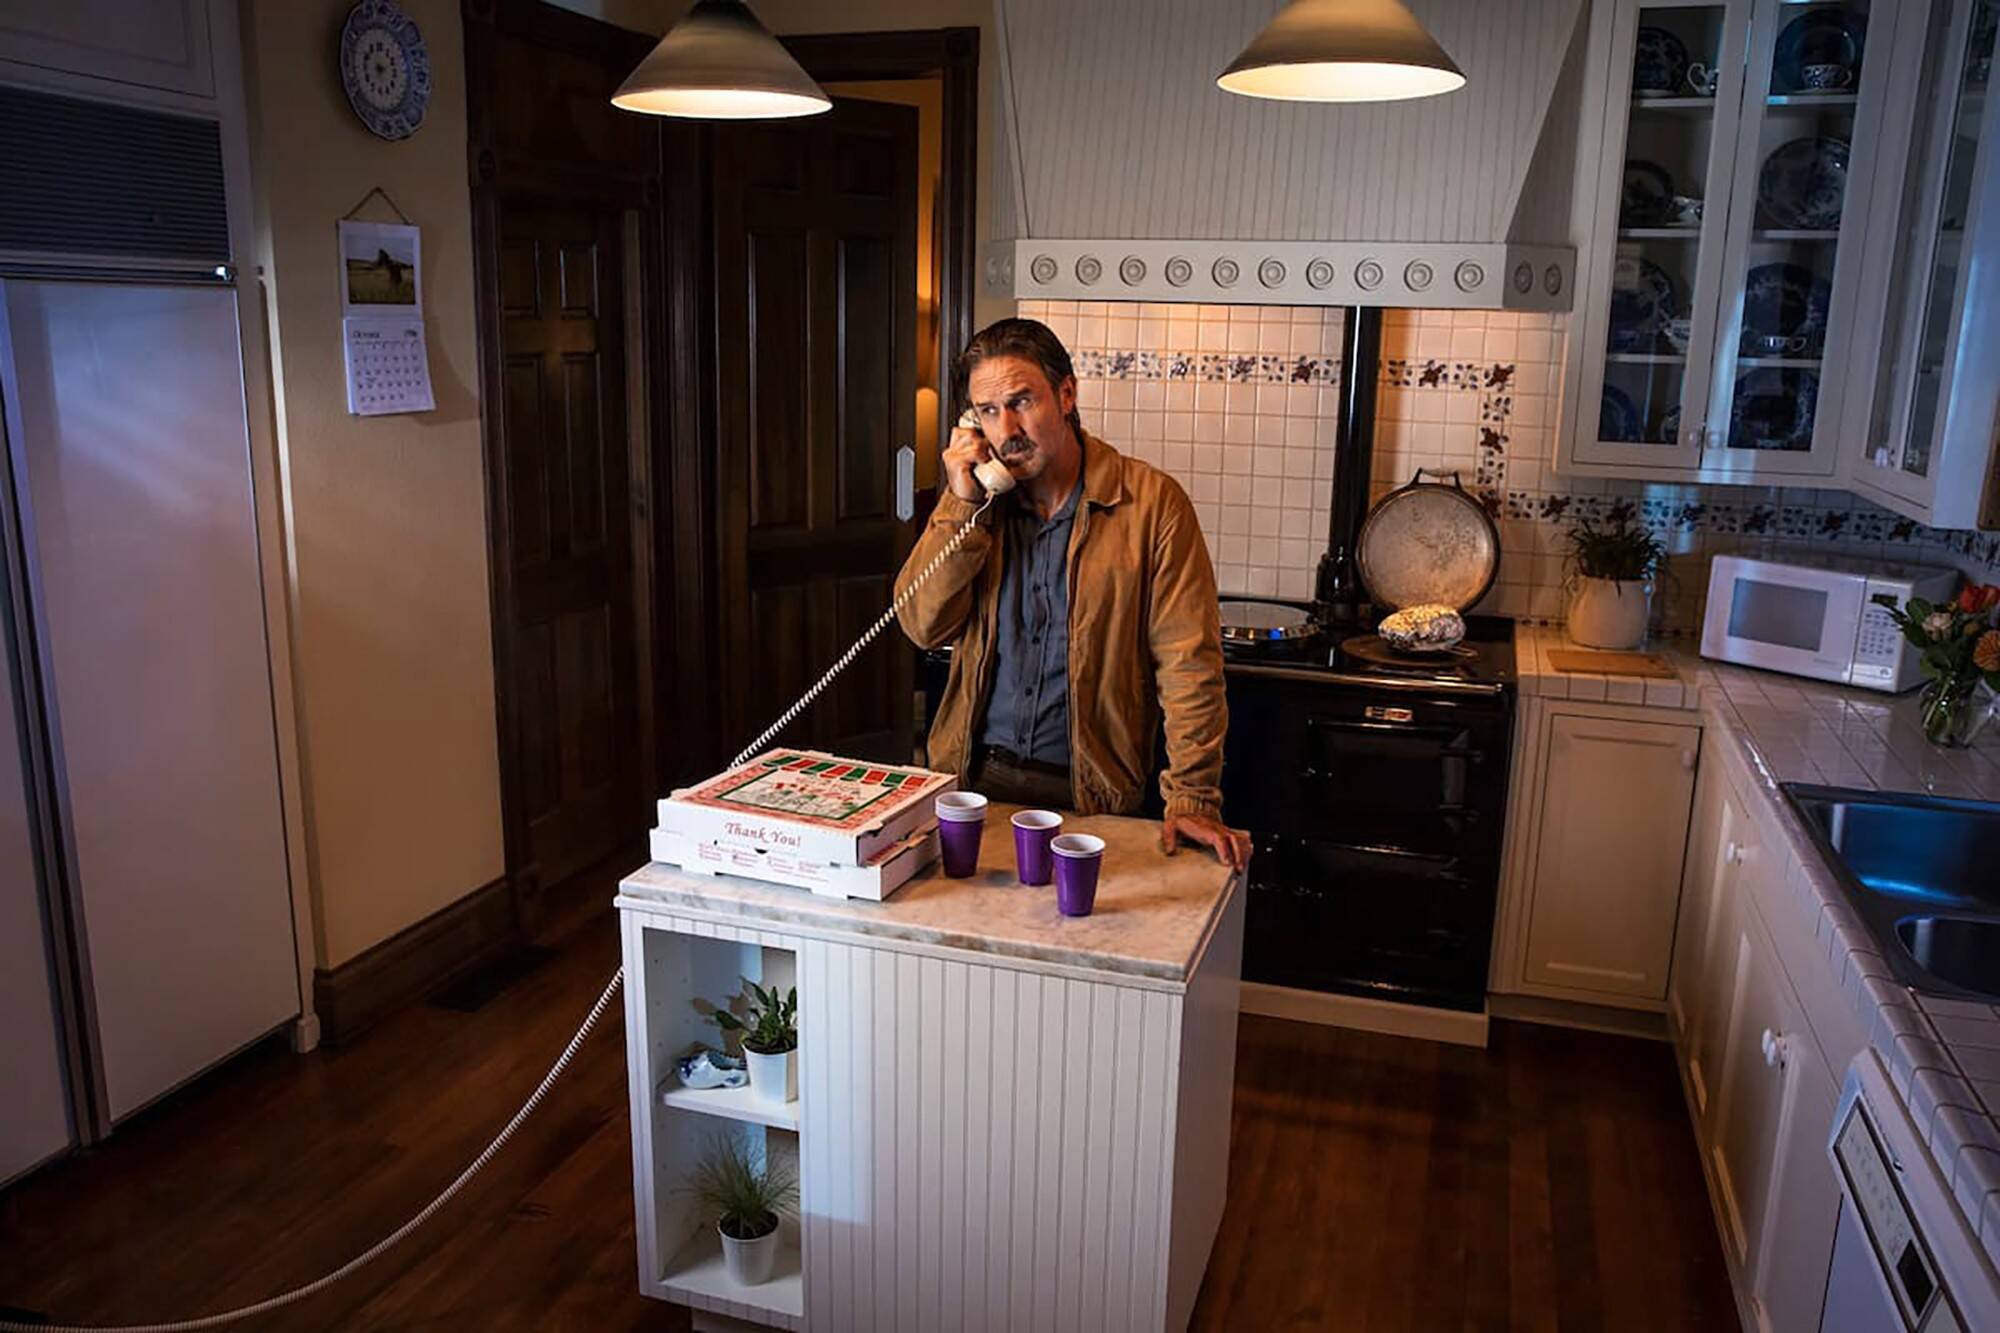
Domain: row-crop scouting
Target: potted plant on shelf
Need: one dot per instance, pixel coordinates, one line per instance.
(769, 1031)
(746, 1199)
(1611, 582)
(1960, 644)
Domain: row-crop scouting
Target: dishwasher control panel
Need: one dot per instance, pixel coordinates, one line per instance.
(1874, 1194)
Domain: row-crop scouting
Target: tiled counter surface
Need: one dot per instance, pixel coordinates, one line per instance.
(1943, 1055)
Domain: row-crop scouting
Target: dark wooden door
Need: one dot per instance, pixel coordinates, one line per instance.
(816, 254)
(561, 286)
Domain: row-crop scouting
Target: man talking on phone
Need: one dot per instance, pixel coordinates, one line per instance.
(1081, 608)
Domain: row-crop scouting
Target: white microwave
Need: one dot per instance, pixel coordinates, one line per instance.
(1818, 617)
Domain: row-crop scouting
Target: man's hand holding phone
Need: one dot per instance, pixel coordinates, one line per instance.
(969, 465)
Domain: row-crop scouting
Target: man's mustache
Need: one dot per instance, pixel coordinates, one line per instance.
(1016, 444)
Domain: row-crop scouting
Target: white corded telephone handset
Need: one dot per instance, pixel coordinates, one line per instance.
(991, 472)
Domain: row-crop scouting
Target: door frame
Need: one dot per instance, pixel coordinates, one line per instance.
(497, 178)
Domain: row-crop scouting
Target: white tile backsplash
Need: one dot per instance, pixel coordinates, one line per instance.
(1236, 402)
(1240, 404)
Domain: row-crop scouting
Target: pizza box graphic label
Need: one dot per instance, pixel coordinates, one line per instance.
(874, 881)
(811, 806)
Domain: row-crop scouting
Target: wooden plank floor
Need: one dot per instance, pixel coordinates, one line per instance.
(1549, 1183)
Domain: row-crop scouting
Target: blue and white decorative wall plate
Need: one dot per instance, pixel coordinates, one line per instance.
(384, 68)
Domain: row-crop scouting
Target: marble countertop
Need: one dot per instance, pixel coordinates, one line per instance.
(1152, 917)
(1943, 1055)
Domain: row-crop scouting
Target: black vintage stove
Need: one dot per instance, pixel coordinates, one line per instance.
(1376, 789)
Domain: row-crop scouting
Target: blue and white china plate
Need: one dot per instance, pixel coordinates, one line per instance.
(1670, 426)
(1617, 418)
(1785, 301)
(385, 68)
(1659, 63)
(1646, 198)
(1803, 184)
(1643, 298)
(1773, 409)
(1822, 35)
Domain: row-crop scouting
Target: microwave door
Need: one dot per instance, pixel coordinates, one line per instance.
(1803, 621)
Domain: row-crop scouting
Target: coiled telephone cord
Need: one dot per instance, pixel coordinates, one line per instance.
(528, 1108)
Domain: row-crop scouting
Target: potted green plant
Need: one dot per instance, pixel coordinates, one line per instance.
(1960, 643)
(746, 1197)
(1611, 582)
(769, 1031)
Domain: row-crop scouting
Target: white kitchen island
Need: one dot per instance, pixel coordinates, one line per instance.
(1007, 1119)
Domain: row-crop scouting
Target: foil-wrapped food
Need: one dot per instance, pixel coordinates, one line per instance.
(1430, 628)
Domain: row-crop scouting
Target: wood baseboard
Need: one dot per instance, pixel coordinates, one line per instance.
(1355, 1011)
(416, 961)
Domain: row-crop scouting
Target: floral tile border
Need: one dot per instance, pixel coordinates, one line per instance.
(1210, 367)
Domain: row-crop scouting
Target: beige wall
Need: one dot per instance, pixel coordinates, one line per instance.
(386, 516)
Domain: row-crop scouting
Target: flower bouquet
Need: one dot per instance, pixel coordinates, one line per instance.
(1961, 660)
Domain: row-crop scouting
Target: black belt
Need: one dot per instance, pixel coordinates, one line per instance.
(995, 754)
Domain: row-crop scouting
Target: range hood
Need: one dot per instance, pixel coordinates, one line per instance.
(1122, 172)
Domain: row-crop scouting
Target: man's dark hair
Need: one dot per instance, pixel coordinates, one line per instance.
(1023, 339)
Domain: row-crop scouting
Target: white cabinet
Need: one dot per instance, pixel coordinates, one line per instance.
(1925, 444)
(1720, 228)
(1601, 881)
(164, 44)
(1760, 1088)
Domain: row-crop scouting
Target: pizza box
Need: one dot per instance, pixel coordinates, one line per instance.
(816, 807)
(874, 881)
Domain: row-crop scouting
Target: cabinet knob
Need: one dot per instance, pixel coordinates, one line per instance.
(1774, 1048)
(1687, 760)
(1732, 854)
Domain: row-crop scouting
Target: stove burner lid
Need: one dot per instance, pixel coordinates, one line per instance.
(1248, 622)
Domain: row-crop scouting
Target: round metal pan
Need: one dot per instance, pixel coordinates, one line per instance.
(1247, 621)
(1428, 542)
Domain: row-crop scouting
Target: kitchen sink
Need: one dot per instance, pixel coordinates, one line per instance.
(1920, 872)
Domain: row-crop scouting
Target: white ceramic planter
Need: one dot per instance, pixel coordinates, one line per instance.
(749, 1262)
(1609, 613)
(775, 1078)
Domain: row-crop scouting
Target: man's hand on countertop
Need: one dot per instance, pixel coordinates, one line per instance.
(1231, 846)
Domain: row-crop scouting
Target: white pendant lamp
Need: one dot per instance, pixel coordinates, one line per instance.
(1342, 51)
(720, 63)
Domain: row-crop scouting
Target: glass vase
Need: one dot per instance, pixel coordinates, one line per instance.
(1954, 710)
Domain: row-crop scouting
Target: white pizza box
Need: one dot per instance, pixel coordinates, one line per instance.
(816, 807)
(874, 881)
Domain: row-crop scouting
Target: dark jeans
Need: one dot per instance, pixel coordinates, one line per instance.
(999, 775)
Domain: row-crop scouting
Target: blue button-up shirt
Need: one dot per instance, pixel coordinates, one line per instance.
(1028, 712)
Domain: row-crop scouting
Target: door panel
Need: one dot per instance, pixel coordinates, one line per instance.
(563, 384)
(1750, 1103)
(816, 371)
(1608, 870)
(149, 603)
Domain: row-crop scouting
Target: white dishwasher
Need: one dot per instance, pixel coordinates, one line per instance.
(1903, 1257)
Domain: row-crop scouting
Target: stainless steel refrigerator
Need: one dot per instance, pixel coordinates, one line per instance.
(146, 927)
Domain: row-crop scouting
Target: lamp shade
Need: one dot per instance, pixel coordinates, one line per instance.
(1342, 51)
(719, 63)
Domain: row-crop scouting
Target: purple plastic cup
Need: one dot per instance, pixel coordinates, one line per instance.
(1078, 858)
(1033, 831)
(961, 819)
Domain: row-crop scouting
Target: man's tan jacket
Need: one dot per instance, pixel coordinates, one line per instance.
(1144, 634)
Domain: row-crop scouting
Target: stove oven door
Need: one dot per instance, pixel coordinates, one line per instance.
(1379, 820)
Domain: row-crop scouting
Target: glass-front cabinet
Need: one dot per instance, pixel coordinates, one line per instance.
(1724, 224)
(1926, 443)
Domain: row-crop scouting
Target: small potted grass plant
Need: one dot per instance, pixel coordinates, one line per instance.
(746, 1198)
(769, 1031)
(1611, 582)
